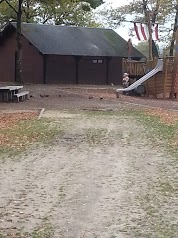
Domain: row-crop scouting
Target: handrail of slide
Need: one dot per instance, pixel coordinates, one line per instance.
(158, 68)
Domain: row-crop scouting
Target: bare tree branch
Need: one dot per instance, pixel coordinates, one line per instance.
(11, 6)
(24, 9)
(46, 20)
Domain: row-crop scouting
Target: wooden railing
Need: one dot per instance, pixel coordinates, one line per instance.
(140, 68)
(134, 68)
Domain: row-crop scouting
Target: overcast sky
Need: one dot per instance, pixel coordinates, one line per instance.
(122, 31)
(117, 2)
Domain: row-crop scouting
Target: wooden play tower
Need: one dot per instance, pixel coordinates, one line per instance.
(164, 84)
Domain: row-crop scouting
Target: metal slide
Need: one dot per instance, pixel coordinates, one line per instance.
(158, 68)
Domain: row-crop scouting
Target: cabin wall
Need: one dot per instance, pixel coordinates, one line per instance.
(92, 70)
(32, 61)
(60, 69)
(7, 59)
(115, 71)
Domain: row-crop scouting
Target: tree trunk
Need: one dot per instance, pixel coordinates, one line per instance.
(150, 37)
(171, 51)
(150, 18)
(19, 44)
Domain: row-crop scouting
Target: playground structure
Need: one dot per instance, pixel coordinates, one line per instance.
(157, 77)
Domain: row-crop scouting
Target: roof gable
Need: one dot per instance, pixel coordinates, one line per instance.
(65, 40)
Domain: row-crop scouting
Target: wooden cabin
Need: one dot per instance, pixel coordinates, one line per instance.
(64, 55)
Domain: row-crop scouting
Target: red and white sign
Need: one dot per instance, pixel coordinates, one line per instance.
(143, 33)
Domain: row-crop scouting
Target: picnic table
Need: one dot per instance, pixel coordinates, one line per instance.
(7, 92)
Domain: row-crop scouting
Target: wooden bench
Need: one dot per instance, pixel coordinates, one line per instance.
(20, 97)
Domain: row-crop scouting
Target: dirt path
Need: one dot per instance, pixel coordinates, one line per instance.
(96, 180)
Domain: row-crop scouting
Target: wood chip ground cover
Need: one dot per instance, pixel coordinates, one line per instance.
(18, 130)
(168, 117)
(165, 124)
(9, 120)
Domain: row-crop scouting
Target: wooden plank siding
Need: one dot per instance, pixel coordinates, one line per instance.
(161, 83)
(32, 63)
(60, 69)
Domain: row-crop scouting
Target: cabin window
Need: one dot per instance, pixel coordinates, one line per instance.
(95, 61)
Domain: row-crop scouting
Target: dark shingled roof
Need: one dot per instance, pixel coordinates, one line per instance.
(65, 40)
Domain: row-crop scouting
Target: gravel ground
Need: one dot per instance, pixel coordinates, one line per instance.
(53, 97)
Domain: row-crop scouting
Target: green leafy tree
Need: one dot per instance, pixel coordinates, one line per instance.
(67, 12)
(78, 13)
(143, 47)
(95, 3)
